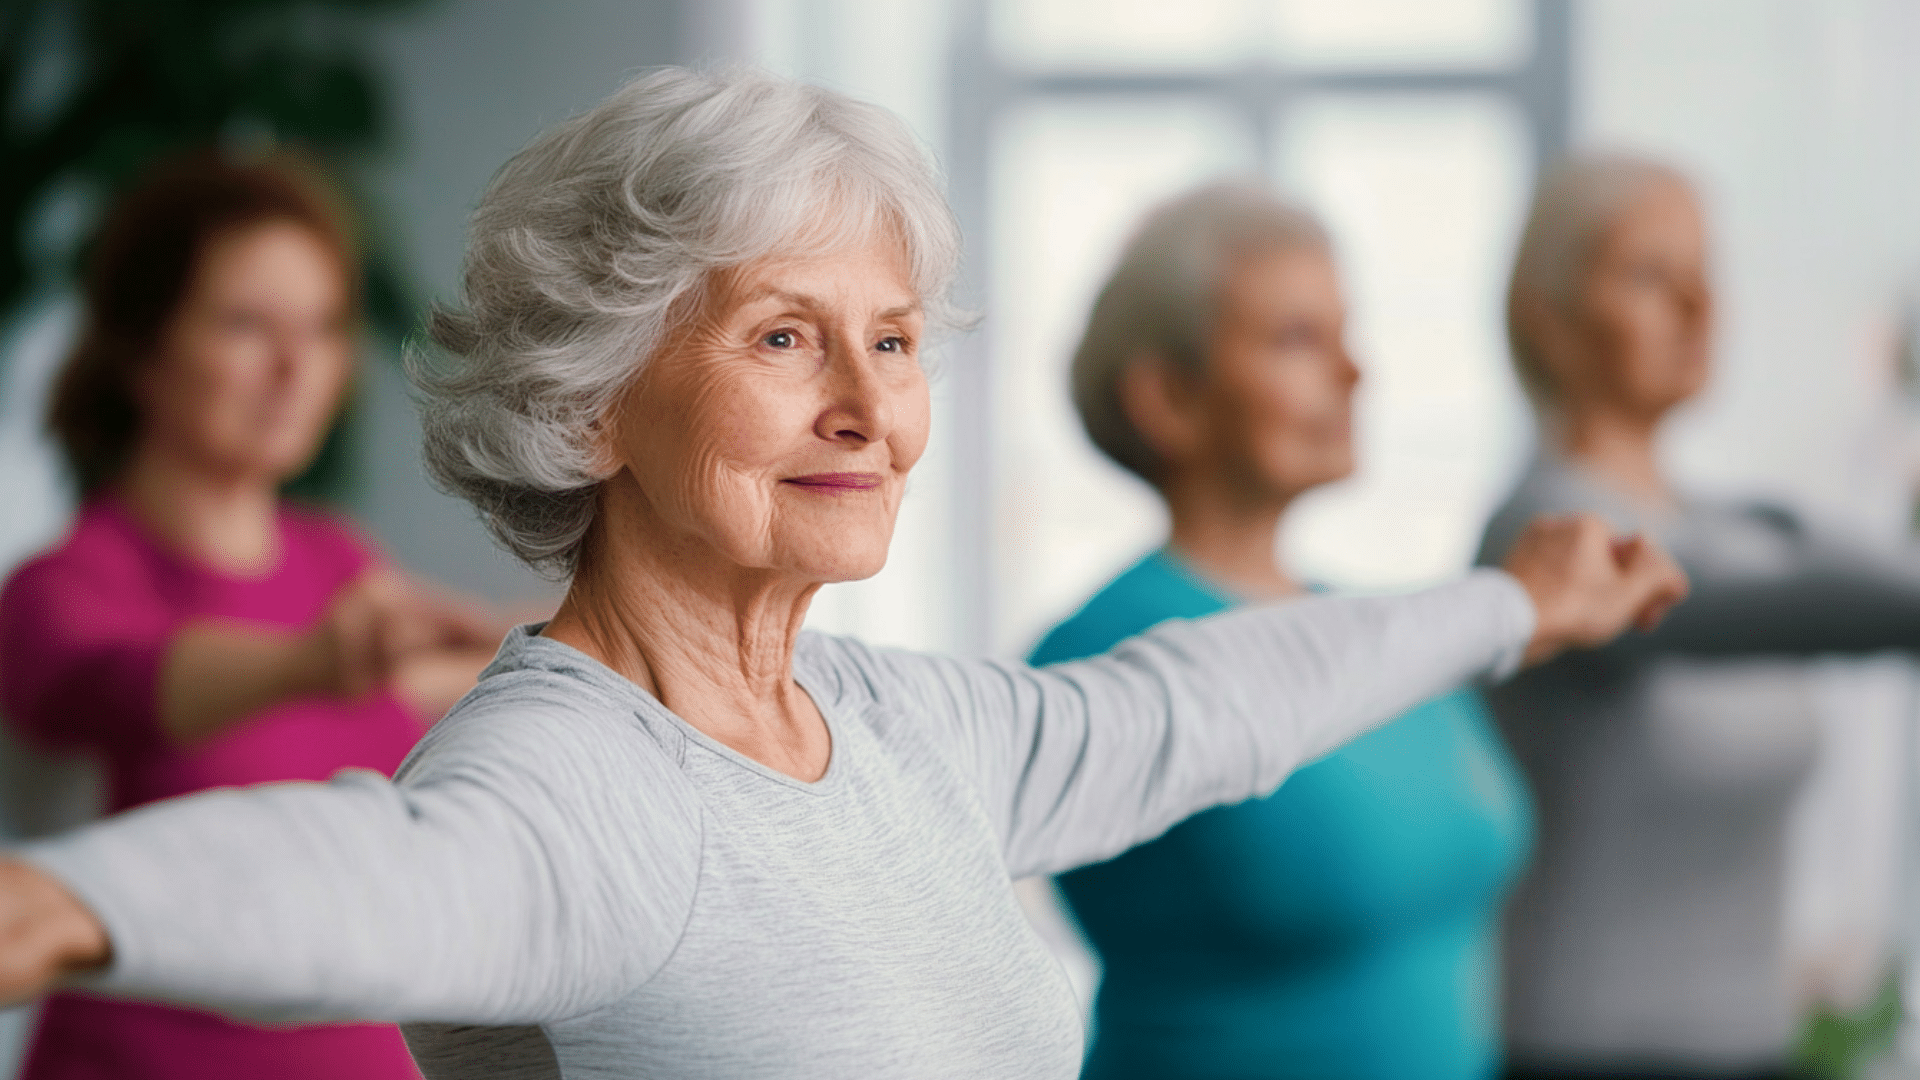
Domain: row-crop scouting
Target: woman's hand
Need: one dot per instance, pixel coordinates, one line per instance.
(45, 933)
(379, 622)
(1589, 585)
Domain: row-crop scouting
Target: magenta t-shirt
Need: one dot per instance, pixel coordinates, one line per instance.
(82, 632)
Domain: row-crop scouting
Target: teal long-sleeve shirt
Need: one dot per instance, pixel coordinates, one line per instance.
(1343, 928)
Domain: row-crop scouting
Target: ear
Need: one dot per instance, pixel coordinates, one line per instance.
(1160, 404)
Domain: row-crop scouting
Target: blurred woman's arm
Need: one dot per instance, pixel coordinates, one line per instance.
(1813, 591)
(81, 667)
(1832, 601)
(377, 630)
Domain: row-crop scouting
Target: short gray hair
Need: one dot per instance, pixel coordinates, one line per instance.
(1576, 201)
(1163, 297)
(593, 243)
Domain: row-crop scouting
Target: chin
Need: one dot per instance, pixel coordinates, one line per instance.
(843, 570)
(850, 562)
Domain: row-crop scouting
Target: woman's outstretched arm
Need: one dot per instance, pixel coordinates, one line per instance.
(1833, 599)
(1808, 590)
(1081, 761)
(82, 669)
(377, 629)
(532, 862)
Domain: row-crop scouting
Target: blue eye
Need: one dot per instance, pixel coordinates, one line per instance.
(892, 344)
(780, 339)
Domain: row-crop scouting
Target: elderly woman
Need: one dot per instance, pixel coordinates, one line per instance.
(193, 630)
(1648, 937)
(1345, 925)
(669, 835)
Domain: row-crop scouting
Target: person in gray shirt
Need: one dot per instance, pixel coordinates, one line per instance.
(669, 835)
(1648, 938)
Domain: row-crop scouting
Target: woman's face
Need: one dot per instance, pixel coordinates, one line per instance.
(1277, 398)
(253, 364)
(1641, 322)
(778, 428)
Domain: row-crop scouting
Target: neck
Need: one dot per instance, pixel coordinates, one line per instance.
(224, 521)
(1229, 539)
(1620, 450)
(714, 644)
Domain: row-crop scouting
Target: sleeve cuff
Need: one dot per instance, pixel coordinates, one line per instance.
(1517, 617)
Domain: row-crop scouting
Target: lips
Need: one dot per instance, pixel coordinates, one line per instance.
(837, 481)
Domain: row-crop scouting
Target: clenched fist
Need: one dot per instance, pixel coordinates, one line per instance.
(1588, 585)
(377, 623)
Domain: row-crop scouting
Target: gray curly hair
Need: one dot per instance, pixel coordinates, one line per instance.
(1162, 299)
(594, 242)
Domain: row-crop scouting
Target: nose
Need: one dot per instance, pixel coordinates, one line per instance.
(858, 409)
(1348, 370)
(289, 346)
(1697, 300)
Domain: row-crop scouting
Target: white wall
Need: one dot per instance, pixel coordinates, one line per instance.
(1798, 119)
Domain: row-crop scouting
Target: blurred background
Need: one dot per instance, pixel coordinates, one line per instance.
(1415, 126)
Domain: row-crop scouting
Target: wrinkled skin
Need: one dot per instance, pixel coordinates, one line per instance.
(793, 370)
(761, 454)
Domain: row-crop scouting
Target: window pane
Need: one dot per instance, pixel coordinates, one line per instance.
(1401, 33)
(1070, 182)
(1423, 196)
(1122, 33)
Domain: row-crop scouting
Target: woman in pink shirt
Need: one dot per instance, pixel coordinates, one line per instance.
(193, 630)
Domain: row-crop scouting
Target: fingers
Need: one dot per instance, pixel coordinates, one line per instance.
(1653, 583)
(381, 620)
(463, 624)
(45, 932)
(1588, 585)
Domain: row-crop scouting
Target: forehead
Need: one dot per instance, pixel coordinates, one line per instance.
(268, 258)
(1285, 278)
(1664, 212)
(872, 271)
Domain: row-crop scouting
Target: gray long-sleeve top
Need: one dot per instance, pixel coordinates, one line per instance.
(566, 880)
(1649, 931)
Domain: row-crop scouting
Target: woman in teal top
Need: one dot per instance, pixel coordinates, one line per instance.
(1344, 927)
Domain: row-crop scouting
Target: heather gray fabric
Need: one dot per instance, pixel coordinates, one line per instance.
(1650, 928)
(566, 880)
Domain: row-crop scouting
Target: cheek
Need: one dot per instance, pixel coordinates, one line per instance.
(1655, 340)
(1618, 346)
(1300, 413)
(742, 427)
(703, 447)
(318, 387)
(328, 376)
(195, 395)
(1635, 324)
